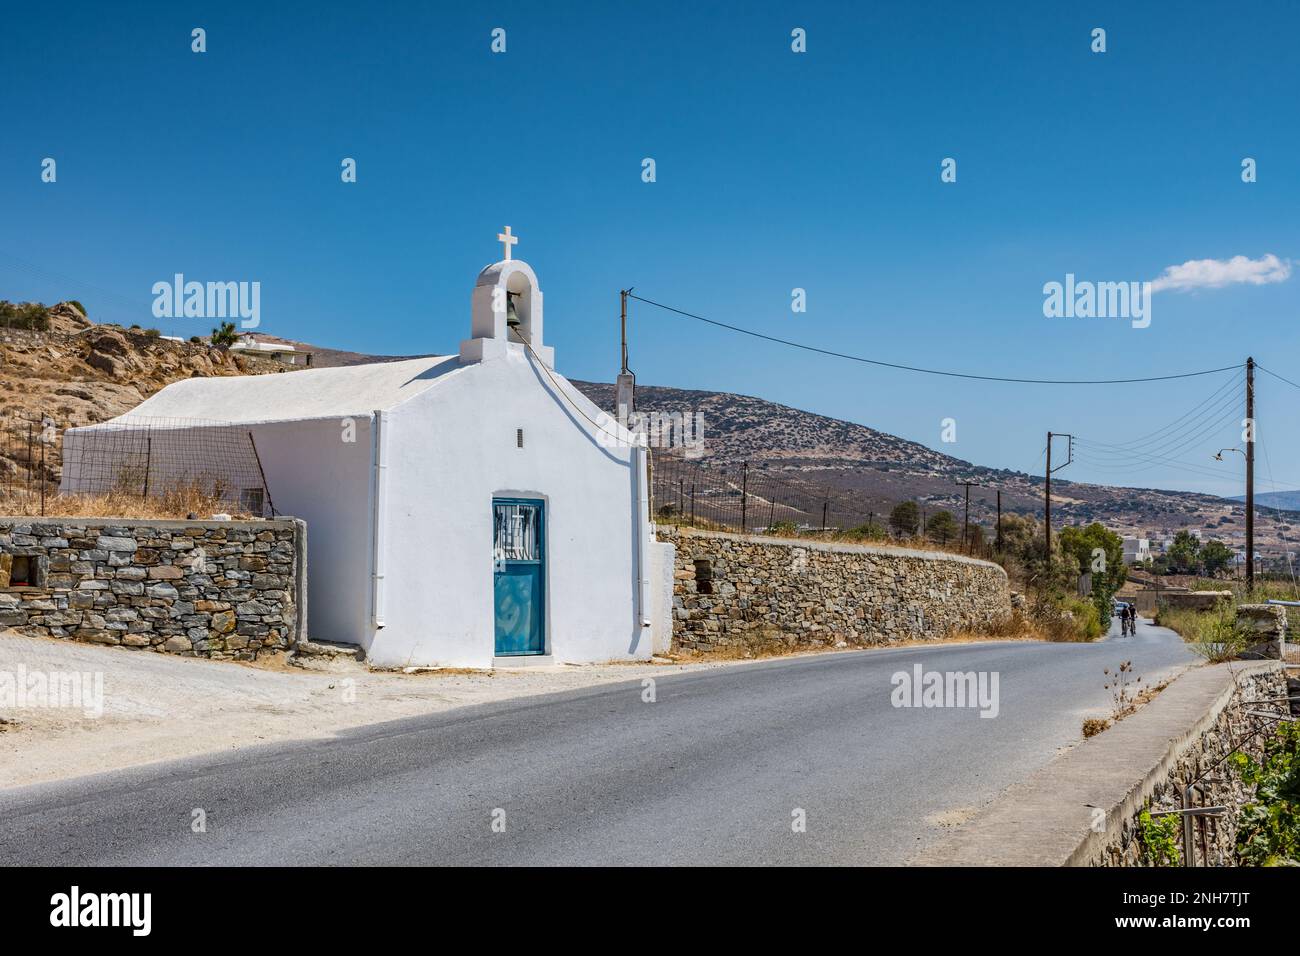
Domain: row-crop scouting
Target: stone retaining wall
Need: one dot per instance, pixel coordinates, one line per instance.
(220, 589)
(1194, 600)
(1230, 723)
(1082, 809)
(741, 590)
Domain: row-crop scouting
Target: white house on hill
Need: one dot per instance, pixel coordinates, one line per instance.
(462, 511)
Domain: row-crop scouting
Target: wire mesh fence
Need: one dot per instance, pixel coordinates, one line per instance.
(754, 499)
(168, 465)
(30, 462)
(742, 497)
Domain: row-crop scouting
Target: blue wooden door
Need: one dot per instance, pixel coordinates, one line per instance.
(519, 576)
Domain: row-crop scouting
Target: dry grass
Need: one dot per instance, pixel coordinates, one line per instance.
(1214, 635)
(177, 502)
(1092, 726)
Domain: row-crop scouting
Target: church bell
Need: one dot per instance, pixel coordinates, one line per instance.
(512, 317)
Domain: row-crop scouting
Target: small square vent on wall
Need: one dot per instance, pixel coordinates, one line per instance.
(519, 438)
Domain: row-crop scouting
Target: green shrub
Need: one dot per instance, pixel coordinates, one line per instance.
(1268, 827)
(1087, 619)
(225, 334)
(24, 315)
(1159, 838)
(1214, 635)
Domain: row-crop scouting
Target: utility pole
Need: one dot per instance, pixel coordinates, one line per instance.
(999, 538)
(625, 384)
(622, 294)
(1047, 499)
(965, 524)
(1250, 474)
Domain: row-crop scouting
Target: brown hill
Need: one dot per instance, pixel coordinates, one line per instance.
(79, 373)
(874, 471)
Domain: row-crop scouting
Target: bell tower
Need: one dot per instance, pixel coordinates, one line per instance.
(506, 311)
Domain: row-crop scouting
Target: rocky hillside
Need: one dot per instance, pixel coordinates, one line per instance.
(876, 470)
(78, 372)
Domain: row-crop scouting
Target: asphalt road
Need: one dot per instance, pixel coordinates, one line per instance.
(712, 772)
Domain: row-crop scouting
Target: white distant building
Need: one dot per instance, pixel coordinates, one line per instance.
(468, 510)
(280, 351)
(1136, 550)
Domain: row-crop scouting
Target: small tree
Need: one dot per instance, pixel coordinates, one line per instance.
(225, 334)
(24, 315)
(942, 527)
(1215, 556)
(905, 518)
(1099, 552)
(1185, 553)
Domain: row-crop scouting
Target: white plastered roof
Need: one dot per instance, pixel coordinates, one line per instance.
(352, 390)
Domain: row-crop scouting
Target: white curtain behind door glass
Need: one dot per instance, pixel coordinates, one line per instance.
(515, 536)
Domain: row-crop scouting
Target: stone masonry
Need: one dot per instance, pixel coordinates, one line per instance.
(1234, 724)
(219, 589)
(741, 590)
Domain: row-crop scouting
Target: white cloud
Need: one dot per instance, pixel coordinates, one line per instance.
(1216, 273)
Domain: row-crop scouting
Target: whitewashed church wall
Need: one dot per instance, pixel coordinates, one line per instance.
(320, 471)
(663, 558)
(452, 450)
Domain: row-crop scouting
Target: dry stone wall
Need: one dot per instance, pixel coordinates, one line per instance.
(220, 589)
(1234, 725)
(741, 590)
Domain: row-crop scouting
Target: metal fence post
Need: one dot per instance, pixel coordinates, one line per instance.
(744, 496)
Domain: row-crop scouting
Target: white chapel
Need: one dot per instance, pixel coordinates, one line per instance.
(468, 510)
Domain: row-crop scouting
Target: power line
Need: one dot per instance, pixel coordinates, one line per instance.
(1275, 375)
(1228, 382)
(930, 371)
(1181, 441)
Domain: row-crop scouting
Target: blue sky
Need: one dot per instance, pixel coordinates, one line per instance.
(775, 170)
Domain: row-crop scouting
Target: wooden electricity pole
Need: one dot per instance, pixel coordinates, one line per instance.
(965, 524)
(1250, 474)
(622, 294)
(999, 538)
(1047, 498)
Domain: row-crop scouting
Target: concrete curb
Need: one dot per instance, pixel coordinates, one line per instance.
(1047, 819)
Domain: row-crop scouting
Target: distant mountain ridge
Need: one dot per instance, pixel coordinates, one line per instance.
(1286, 500)
(855, 459)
